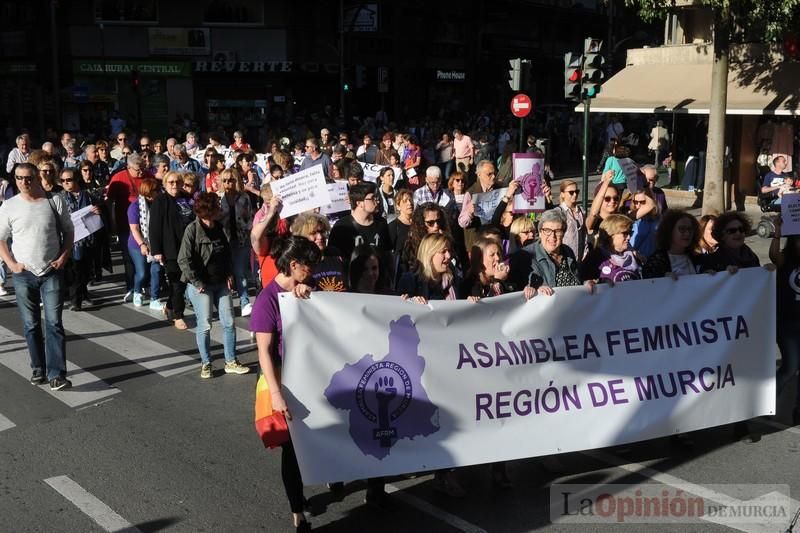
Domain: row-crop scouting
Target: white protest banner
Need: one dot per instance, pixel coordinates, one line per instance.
(371, 172)
(486, 202)
(302, 191)
(85, 223)
(790, 213)
(398, 387)
(339, 199)
(631, 171)
(528, 170)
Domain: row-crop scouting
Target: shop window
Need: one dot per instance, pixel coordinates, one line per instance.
(126, 11)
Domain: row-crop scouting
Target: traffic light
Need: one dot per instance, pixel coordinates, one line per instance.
(572, 76)
(592, 67)
(515, 68)
(346, 87)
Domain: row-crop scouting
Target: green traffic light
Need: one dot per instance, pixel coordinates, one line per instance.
(346, 87)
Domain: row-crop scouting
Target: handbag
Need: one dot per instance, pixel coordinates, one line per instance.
(271, 425)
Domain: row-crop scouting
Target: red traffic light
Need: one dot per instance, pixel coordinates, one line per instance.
(575, 76)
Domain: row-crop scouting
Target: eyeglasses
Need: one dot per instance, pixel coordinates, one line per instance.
(229, 181)
(572, 192)
(624, 233)
(67, 180)
(23, 178)
(549, 232)
(737, 229)
(46, 170)
(188, 185)
(436, 222)
(458, 181)
(638, 202)
(370, 199)
(122, 139)
(610, 199)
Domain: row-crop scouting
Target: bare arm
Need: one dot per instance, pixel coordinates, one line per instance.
(597, 202)
(259, 229)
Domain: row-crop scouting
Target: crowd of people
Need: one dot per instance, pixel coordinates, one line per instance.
(198, 222)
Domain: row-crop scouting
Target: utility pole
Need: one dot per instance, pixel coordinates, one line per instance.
(341, 59)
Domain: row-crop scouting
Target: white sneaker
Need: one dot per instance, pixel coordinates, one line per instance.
(138, 300)
(3, 291)
(247, 309)
(127, 296)
(155, 305)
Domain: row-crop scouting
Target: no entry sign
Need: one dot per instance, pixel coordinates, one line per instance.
(521, 105)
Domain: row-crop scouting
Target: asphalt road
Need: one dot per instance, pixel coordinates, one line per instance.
(142, 443)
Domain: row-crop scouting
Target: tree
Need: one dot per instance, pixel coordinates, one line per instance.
(735, 21)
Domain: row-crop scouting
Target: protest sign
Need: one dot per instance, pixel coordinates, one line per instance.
(399, 387)
(302, 191)
(85, 223)
(790, 213)
(371, 172)
(634, 181)
(486, 202)
(528, 170)
(339, 199)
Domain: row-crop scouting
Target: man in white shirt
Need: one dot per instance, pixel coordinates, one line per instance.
(20, 153)
(41, 231)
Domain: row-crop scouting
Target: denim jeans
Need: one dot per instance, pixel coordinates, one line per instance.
(220, 297)
(48, 353)
(789, 344)
(241, 271)
(141, 266)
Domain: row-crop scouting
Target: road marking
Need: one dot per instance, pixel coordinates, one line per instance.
(425, 507)
(86, 387)
(687, 486)
(5, 423)
(92, 507)
(134, 347)
(243, 341)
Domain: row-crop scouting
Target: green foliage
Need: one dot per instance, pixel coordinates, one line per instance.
(751, 20)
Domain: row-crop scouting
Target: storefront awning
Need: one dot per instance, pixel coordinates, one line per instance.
(753, 89)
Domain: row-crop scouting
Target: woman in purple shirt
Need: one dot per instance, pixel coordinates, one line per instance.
(294, 259)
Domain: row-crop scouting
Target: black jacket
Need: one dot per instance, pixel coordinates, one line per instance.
(166, 227)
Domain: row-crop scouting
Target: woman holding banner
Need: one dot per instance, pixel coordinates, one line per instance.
(547, 263)
(788, 286)
(575, 233)
(730, 230)
(434, 279)
(295, 258)
(612, 260)
(676, 241)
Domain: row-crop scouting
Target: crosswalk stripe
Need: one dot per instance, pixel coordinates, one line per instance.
(145, 352)
(90, 505)
(243, 341)
(5, 423)
(86, 387)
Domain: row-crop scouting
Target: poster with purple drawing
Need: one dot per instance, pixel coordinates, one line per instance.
(528, 170)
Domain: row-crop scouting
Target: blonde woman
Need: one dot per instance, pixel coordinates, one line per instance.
(433, 278)
(328, 274)
(522, 231)
(237, 221)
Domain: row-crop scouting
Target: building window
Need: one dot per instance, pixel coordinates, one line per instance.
(126, 11)
(234, 13)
